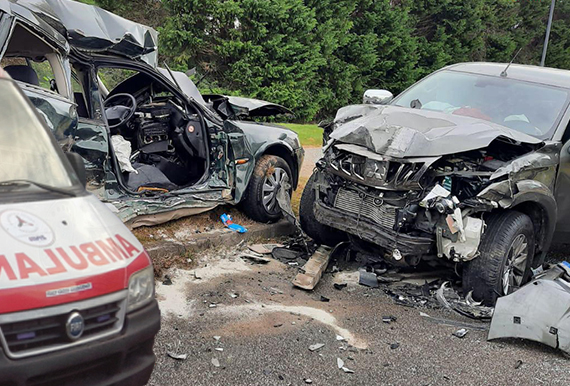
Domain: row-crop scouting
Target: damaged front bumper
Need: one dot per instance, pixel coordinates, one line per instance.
(407, 227)
(371, 232)
(539, 311)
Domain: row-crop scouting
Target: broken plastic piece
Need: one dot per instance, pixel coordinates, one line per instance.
(314, 269)
(368, 279)
(315, 347)
(538, 311)
(339, 286)
(179, 357)
(460, 333)
(227, 220)
(437, 191)
(339, 363)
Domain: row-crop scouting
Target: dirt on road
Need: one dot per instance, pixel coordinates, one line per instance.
(240, 323)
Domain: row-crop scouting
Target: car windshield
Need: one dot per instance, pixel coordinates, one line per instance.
(28, 152)
(523, 106)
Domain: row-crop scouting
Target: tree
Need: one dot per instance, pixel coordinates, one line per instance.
(264, 49)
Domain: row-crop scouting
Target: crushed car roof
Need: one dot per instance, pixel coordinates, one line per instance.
(543, 75)
(88, 28)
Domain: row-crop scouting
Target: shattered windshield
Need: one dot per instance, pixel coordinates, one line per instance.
(526, 107)
(28, 153)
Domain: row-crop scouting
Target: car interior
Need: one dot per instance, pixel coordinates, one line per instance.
(167, 137)
(32, 61)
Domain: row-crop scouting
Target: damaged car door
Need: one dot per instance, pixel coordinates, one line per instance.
(460, 169)
(164, 152)
(35, 55)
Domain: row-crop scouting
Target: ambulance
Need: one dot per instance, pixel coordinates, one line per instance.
(77, 302)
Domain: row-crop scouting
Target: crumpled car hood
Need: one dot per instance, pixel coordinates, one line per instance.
(249, 107)
(91, 29)
(402, 132)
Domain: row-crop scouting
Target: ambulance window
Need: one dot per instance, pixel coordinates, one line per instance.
(33, 62)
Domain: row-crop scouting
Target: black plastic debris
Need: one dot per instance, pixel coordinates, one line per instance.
(282, 253)
(167, 280)
(394, 346)
(388, 319)
(368, 279)
(518, 364)
(325, 299)
(339, 286)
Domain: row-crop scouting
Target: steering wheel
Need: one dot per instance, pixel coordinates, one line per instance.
(119, 113)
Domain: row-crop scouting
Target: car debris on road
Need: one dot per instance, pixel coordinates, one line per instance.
(313, 269)
(539, 311)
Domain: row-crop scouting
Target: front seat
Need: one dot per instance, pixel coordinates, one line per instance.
(23, 73)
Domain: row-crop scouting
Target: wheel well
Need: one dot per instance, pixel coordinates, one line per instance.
(285, 153)
(539, 218)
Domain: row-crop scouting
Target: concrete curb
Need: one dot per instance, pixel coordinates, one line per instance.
(203, 241)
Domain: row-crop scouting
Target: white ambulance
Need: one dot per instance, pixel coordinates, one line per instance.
(77, 300)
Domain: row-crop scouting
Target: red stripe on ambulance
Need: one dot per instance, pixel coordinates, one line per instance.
(55, 272)
(19, 299)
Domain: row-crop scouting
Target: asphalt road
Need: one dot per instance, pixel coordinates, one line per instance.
(264, 327)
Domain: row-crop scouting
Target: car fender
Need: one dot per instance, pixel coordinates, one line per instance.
(532, 198)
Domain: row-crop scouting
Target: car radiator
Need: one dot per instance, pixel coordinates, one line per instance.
(366, 206)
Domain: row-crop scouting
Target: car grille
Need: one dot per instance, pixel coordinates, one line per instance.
(388, 174)
(32, 336)
(366, 206)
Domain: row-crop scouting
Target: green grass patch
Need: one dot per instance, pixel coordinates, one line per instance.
(310, 135)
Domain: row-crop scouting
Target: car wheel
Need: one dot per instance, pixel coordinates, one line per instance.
(322, 234)
(260, 202)
(507, 251)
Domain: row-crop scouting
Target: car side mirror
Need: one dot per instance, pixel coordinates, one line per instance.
(377, 97)
(78, 165)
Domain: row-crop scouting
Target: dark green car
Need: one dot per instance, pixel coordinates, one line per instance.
(153, 147)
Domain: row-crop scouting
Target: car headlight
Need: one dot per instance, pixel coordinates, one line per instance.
(141, 289)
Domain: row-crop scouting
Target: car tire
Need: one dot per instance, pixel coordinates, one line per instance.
(502, 266)
(322, 234)
(260, 203)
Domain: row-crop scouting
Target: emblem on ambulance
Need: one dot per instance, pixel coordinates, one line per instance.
(27, 228)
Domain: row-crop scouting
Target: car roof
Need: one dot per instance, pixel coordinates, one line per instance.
(543, 75)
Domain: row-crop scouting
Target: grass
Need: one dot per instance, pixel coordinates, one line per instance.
(310, 135)
(296, 199)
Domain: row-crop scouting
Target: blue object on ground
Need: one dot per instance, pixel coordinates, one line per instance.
(227, 220)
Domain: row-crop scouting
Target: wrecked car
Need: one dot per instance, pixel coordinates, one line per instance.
(153, 147)
(468, 168)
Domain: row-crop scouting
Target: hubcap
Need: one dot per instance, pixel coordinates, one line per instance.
(515, 266)
(271, 185)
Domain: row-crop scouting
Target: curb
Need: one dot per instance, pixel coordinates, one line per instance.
(203, 241)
